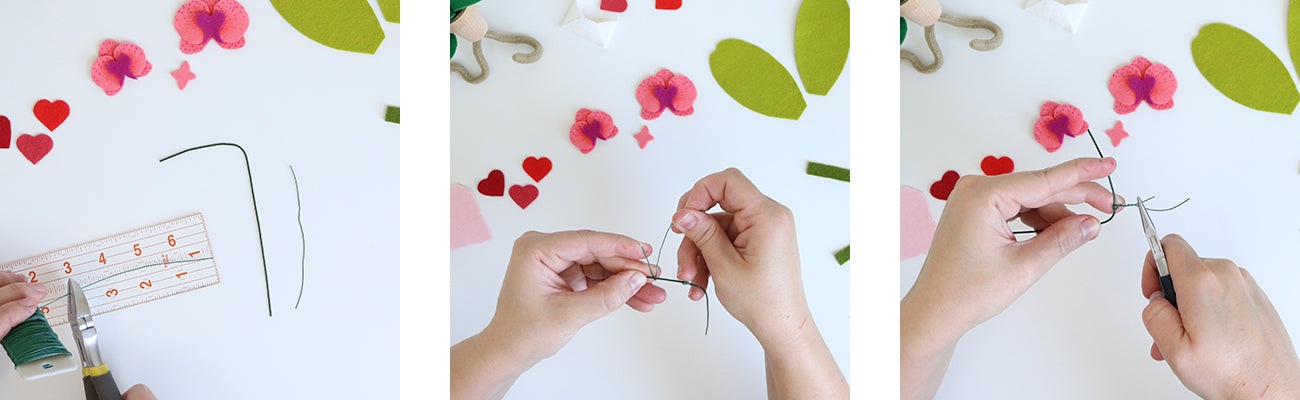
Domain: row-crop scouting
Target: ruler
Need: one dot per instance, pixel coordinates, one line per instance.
(125, 270)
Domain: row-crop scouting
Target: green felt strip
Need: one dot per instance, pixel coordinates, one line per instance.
(842, 256)
(391, 10)
(756, 80)
(393, 115)
(1245, 70)
(828, 171)
(821, 43)
(348, 25)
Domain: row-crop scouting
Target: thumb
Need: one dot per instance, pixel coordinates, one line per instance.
(1165, 325)
(607, 295)
(708, 236)
(1059, 239)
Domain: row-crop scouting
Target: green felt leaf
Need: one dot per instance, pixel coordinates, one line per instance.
(902, 36)
(453, 45)
(1293, 33)
(821, 43)
(348, 25)
(756, 80)
(391, 10)
(1245, 70)
(842, 256)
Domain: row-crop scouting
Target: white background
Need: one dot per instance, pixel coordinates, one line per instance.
(287, 100)
(1078, 333)
(526, 109)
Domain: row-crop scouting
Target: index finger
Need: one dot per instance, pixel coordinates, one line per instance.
(729, 188)
(561, 249)
(1033, 189)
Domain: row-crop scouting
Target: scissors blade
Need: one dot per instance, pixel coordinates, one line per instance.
(1153, 239)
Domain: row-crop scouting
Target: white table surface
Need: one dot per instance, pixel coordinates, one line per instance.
(526, 110)
(287, 100)
(1078, 333)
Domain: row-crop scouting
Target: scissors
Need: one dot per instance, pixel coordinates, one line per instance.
(95, 374)
(1158, 253)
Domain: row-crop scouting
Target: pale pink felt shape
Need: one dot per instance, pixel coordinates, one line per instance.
(585, 117)
(682, 105)
(1162, 95)
(109, 51)
(231, 33)
(183, 75)
(643, 137)
(1051, 112)
(1117, 133)
(917, 223)
(467, 224)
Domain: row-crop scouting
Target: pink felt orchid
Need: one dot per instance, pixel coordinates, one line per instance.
(116, 62)
(590, 126)
(663, 91)
(1143, 81)
(1055, 122)
(199, 21)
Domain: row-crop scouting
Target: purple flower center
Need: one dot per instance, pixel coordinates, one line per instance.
(592, 130)
(1061, 127)
(211, 25)
(1142, 88)
(121, 67)
(665, 96)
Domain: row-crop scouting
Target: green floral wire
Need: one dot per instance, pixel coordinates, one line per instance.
(654, 274)
(1114, 198)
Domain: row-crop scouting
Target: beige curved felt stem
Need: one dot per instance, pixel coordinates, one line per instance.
(934, 49)
(922, 12)
(482, 63)
(522, 58)
(976, 23)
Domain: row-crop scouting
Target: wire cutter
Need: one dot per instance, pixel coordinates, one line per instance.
(1158, 254)
(95, 375)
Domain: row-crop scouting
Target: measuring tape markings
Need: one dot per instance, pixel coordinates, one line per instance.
(182, 241)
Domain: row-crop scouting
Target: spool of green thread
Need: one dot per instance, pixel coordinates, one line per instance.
(33, 340)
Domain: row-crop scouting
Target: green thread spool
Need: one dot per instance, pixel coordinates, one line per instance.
(36, 350)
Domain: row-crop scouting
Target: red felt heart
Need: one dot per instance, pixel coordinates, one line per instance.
(494, 185)
(523, 195)
(51, 114)
(4, 132)
(35, 147)
(997, 166)
(613, 5)
(668, 4)
(941, 189)
(537, 168)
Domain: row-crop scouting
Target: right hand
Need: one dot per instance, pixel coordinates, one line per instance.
(139, 392)
(1225, 341)
(18, 300)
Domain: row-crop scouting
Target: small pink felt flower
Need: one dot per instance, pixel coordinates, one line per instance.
(666, 91)
(1142, 80)
(116, 62)
(590, 126)
(199, 21)
(1055, 122)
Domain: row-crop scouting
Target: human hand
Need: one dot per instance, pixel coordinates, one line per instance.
(18, 300)
(976, 268)
(139, 392)
(557, 283)
(749, 249)
(1225, 341)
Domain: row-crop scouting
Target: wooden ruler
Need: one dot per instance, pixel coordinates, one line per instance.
(125, 270)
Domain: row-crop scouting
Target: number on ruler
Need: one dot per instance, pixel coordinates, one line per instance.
(110, 293)
(137, 249)
(103, 260)
(33, 275)
(148, 283)
(171, 240)
(178, 276)
(45, 310)
(67, 268)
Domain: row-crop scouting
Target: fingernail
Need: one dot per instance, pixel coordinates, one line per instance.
(1109, 161)
(686, 221)
(1090, 228)
(1156, 295)
(637, 280)
(39, 288)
